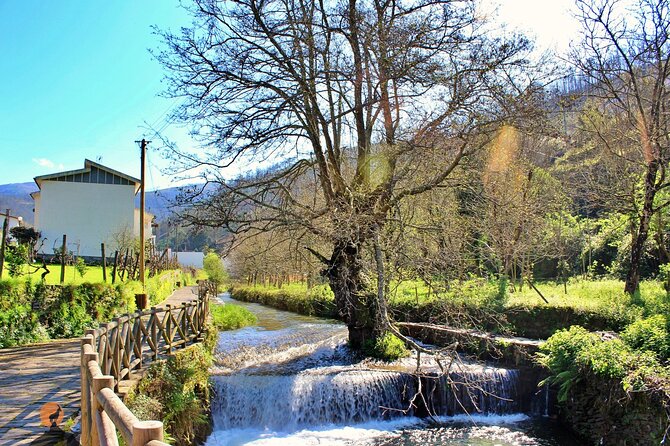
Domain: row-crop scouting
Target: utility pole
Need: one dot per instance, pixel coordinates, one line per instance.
(143, 156)
(5, 226)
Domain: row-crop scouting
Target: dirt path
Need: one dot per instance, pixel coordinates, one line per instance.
(33, 375)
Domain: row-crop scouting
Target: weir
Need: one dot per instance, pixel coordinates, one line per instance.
(294, 374)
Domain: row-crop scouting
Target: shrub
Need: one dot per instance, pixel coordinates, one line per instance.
(177, 391)
(559, 354)
(18, 326)
(80, 266)
(15, 257)
(316, 301)
(214, 268)
(68, 321)
(386, 347)
(649, 334)
(231, 317)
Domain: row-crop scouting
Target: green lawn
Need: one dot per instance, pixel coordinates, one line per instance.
(93, 274)
(581, 294)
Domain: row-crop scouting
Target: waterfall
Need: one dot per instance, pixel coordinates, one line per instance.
(341, 395)
(292, 381)
(317, 397)
(484, 390)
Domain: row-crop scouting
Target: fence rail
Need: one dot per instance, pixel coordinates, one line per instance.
(110, 353)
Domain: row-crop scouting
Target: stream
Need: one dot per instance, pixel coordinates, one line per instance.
(290, 380)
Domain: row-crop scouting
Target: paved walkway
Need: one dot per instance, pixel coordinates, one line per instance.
(33, 375)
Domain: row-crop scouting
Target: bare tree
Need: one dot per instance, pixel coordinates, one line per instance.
(625, 57)
(365, 102)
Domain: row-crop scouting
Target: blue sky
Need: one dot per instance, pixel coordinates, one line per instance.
(77, 80)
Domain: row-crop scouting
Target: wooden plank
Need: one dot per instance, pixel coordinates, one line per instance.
(106, 431)
(123, 418)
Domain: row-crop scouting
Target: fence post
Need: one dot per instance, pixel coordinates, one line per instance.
(116, 264)
(63, 254)
(104, 262)
(118, 346)
(99, 383)
(3, 241)
(154, 338)
(168, 328)
(184, 325)
(85, 393)
(146, 431)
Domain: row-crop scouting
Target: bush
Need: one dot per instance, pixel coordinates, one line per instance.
(214, 268)
(80, 266)
(18, 326)
(68, 321)
(231, 317)
(571, 355)
(315, 301)
(15, 257)
(386, 347)
(177, 391)
(33, 313)
(649, 334)
(610, 393)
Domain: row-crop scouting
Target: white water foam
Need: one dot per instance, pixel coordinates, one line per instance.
(493, 429)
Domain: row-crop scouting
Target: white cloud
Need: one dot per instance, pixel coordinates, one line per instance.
(44, 162)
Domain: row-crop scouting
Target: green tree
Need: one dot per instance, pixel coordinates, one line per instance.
(214, 268)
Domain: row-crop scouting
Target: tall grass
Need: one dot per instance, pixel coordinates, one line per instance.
(231, 317)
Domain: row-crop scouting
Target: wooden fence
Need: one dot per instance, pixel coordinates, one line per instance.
(110, 353)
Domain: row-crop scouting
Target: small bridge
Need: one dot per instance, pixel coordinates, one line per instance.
(111, 353)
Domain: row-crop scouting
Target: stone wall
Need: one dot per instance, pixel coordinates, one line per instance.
(604, 414)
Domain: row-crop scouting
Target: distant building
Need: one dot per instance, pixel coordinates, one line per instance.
(190, 258)
(92, 205)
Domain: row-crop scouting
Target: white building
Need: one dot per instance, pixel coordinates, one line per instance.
(91, 206)
(191, 258)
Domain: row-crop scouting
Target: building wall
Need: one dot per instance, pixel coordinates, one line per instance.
(148, 216)
(36, 209)
(88, 213)
(190, 258)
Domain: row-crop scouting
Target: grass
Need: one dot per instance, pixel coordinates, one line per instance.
(231, 317)
(581, 294)
(93, 275)
(595, 304)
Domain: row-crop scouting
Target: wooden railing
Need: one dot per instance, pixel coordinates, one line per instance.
(110, 353)
(206, 287)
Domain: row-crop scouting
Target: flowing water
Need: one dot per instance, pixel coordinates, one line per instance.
(290, 380)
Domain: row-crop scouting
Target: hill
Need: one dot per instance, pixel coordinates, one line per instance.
(16, 197)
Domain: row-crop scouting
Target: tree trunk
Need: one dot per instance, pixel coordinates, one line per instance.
(355, 304)
(640, 238)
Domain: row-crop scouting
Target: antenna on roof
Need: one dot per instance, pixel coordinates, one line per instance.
(98, 159)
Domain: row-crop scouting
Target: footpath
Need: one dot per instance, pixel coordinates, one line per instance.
(34, 375)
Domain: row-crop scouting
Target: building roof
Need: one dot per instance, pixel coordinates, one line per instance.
(91, 173)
